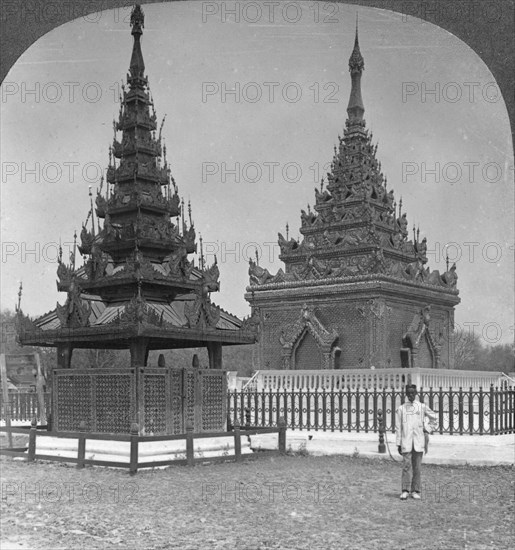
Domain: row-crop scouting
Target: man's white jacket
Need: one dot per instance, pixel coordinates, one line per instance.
(409, 425)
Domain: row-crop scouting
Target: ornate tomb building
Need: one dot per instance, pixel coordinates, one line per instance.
(137, 290)
(356, 291)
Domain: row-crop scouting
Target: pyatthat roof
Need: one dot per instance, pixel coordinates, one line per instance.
(189, 321)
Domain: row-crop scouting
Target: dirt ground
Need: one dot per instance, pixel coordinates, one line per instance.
(288, 502)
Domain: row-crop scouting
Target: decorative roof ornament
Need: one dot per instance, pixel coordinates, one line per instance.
(356, 61)
(137, 19)
(356, 109)
(137, 65)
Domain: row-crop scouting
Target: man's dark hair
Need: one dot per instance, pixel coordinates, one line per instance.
(411, 386)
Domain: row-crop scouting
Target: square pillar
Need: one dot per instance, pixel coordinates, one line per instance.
(214, 350)
(139, 352)
(64, 356)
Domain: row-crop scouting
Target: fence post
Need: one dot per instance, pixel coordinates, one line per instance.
(492, 408)
(263, 408)
(497, 410)
(451, 410)
(282, 435)
(31, 453)
(237, 441)
(82, 445)
(460, 410)
(471, 411)
(481, 410)
(324, 409)
(358, 418)
(49, 421)
(230, 426)
(190, 455)
(366, 410)
(440, 410)
(133, 468)
(382, 447)
(247, 418)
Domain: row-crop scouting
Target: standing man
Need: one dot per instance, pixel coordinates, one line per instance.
(410, 439)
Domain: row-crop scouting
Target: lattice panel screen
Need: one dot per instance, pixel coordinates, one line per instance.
(190, 387)
(114, 403)
(155, 398)
(177, 424)
(168, 399)
(105, 399)
(213, 391)
(72, 402)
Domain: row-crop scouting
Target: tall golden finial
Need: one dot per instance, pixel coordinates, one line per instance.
(287, 231)
(257, 256)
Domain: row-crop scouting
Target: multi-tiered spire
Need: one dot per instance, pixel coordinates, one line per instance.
(144, 238)
(356, 228)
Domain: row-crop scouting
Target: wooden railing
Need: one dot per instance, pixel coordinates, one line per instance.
(460, 411)
(23, 406)
(31, 454)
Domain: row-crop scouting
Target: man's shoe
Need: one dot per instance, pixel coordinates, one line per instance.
(415, 495)
(404, 495)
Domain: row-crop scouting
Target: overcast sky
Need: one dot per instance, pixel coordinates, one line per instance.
(249, 160)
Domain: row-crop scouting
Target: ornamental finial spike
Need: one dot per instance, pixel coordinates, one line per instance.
(137, 65)
(355, 108)
(137, 19)
(18, 307)
(356, 61)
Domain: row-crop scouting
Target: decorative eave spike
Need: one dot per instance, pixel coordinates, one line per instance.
(18, 307)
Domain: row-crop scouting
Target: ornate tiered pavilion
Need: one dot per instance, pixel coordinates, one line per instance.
(356, 291)
(137, 288)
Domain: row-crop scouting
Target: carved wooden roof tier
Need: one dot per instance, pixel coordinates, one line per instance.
(356, 229)
(136, 274)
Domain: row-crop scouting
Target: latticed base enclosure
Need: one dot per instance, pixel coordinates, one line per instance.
(162, 401)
